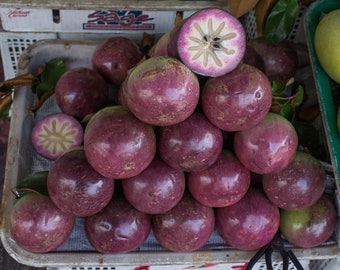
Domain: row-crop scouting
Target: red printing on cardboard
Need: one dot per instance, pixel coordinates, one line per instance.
(120, 19)
(14, 13)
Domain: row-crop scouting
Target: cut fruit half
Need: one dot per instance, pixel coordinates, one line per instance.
(211, 42)
(55, 134)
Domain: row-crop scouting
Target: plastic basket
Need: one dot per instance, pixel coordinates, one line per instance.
(324, 85)
(76, 253)
(330, 264)
(22, 160)
(239, 266)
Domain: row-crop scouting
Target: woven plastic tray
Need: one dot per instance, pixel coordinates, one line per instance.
(325, 86)
(22, 160)
(76, 252)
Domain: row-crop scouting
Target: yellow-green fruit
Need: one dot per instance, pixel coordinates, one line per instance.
(327, 44)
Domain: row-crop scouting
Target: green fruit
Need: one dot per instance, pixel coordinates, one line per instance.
(326, 41)
(311, 226)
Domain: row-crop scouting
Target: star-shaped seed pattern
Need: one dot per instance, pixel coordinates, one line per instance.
(210, 43)
(57, 136)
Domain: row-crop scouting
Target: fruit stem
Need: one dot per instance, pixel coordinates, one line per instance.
(5, 101)
(7, 88)
(21, 192)
(24, 79)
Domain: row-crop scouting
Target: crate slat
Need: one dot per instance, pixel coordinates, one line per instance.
(117, 4)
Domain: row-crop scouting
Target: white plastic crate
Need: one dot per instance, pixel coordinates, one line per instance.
(330, 264)
(333, 264)
(227, 266)
(12, 46)
(86, 21)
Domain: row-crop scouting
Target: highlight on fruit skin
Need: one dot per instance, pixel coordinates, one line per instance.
(211, 42)
(81, 91)
(237, 100)
(267, 147)
(38, 225)
(117, 144)
(311, 226)
(85, 192)
(166, 87)
(113, 57)
(297, 186)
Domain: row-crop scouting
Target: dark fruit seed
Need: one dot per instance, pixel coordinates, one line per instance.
(210, 42)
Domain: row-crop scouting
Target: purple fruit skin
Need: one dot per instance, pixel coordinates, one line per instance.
(118, 228)
(75, 187)
(267, 147)
(191, 145)
(48, 123)
(122, 93)
(280, 60)
(312, 231)
(162, 91)
(172, 49)
(250, 223)
(251, 57)
(37, 225)
(161, 46)
(155, 190)
(114, 57)
(236, 45)
(297, 186)
(222, 184)
(237, 100)
(81, 91)
(186, 227)
(117, 144)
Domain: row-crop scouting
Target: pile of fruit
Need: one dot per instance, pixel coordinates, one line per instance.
(190, 145)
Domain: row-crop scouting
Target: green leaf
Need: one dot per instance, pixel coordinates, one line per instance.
(287, 111)
(54, 68)
(282, 101)
(43, 88)
(47, 81)
(5, 111)
(51, 73)
(278, 88)
(280, 21)
(35, 182)
(299, 96)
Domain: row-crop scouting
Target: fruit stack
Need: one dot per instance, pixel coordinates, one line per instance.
(179, 142)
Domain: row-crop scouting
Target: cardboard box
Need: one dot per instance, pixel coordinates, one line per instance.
(86, 21)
